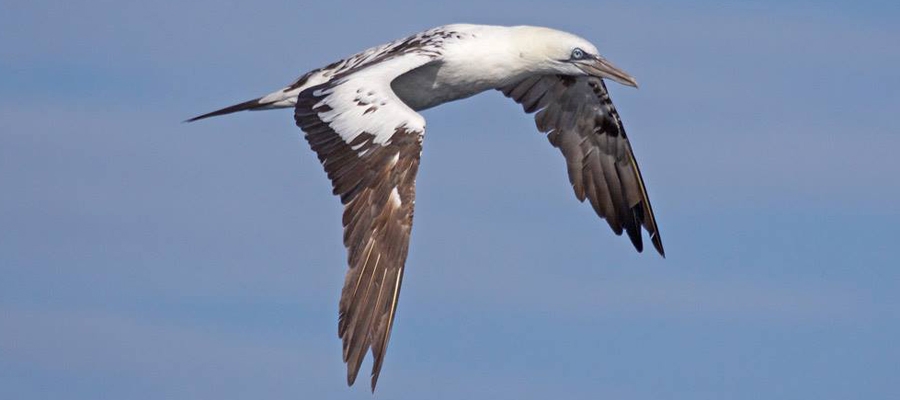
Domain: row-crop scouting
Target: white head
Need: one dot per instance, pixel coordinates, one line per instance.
(553, 51)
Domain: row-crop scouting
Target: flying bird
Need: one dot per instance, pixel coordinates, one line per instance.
(360, 117)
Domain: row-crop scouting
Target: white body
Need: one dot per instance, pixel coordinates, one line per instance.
(466, 67)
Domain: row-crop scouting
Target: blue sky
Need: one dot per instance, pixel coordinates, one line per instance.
(143, 258)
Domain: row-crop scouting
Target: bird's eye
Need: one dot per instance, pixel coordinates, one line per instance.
(578, 54)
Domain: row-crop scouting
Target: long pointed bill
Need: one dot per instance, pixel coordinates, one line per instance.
(599, 67)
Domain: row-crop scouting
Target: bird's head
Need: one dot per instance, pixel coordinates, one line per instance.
(563, 53)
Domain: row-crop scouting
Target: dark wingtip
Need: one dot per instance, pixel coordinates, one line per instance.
(657, 243)
(633, 228)
(351, 377)
(247, 105)
(636, 240)
(376, 371)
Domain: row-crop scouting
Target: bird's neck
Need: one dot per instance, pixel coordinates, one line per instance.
(494, 57)
(486, 58)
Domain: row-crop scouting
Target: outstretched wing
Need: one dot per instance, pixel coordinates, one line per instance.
(580, 119)
(369, 142)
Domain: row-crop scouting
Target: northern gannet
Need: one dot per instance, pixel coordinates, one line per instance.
(359, 116)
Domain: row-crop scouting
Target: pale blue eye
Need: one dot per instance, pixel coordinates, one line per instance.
(577, 53)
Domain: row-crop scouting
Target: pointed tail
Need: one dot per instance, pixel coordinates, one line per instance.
(254, 104)
(282, 98)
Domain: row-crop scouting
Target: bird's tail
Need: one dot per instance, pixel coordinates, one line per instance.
(280, 99)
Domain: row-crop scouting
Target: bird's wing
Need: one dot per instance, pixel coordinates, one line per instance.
(580, 119)
(369, 142)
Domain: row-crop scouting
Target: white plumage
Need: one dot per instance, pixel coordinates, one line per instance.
(359, 116)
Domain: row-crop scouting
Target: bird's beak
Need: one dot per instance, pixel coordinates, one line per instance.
(599, 67)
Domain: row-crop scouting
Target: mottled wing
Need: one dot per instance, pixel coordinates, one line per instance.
(369, 142)
(580, 119)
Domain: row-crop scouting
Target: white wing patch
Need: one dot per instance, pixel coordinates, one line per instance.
(364, 101)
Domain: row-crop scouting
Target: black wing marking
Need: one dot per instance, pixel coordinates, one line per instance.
(580, 120)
